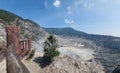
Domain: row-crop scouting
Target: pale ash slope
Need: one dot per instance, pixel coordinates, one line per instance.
(77, 53)
(108, 58)
(76, 48)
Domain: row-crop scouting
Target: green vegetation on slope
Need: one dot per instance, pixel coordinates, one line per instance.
(7, 16)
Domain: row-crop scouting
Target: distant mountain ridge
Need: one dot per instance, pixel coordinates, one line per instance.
(101, 40)
(65, 31)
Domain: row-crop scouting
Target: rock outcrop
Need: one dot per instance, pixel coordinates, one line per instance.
(66, 64)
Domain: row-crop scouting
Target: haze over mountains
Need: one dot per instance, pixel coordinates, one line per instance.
(100, 49)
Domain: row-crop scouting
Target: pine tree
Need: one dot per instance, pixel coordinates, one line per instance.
(50, 49)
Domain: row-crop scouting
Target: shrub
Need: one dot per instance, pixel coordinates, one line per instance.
(30, 56)
(50, 49)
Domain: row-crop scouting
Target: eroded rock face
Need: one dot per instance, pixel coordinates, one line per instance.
(68, 65)
(27, 29)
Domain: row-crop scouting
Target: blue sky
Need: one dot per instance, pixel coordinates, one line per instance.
(91, 16)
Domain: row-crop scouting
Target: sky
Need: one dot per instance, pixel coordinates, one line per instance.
(91, 16)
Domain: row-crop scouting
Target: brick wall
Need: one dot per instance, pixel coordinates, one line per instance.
(21, 47)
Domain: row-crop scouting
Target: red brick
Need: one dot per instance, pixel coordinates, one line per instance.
(13, 37)
(29, 44)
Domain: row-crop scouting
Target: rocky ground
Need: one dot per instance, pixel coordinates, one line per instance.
(66, 64)
(61, 64)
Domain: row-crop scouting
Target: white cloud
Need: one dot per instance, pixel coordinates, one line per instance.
(103, 13)
(70, 21)
(57, 3)
(87, 4)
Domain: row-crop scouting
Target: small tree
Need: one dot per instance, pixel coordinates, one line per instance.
(50, 49)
